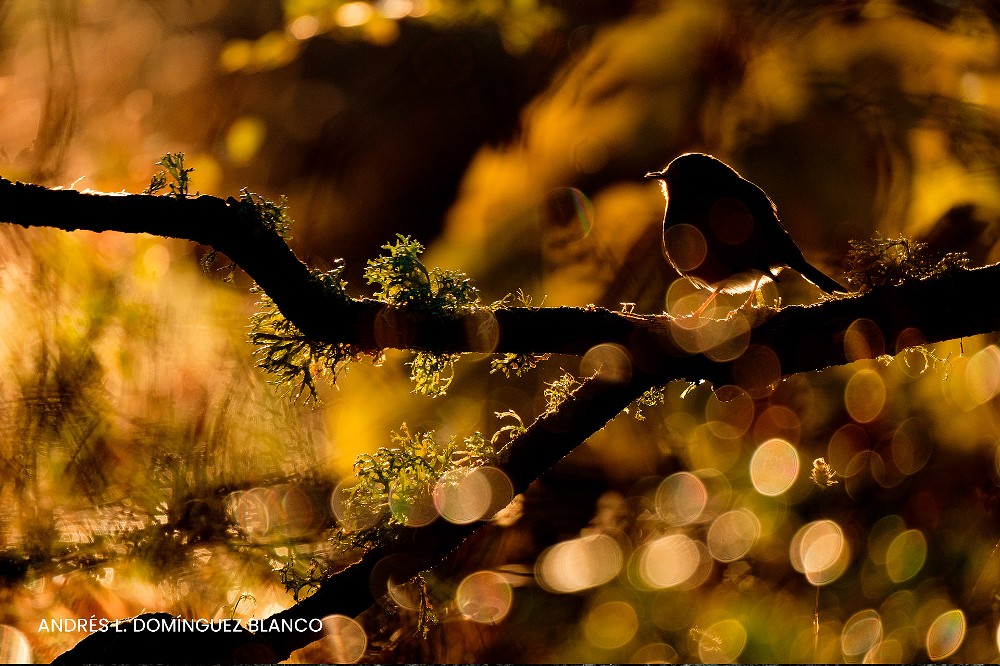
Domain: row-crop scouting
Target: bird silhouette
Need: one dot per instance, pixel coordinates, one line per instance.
(721, 231)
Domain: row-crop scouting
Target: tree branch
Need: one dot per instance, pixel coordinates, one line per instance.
(799, 336)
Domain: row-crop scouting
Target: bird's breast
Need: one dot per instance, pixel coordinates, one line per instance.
(715, 245)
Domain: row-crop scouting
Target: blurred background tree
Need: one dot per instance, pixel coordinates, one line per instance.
(147, 465)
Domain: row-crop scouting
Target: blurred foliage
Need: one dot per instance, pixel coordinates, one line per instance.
(520, 22)
(120, 441)
(146, 464)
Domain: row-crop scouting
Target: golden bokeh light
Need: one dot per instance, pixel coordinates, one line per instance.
(462, 496)
(820, 551)
(945, 634)
(468, 494)
(982, 374)
(722, 642)
(861, 633)
(655, 653)
(681, 498)
(250, 510)
(683, 298)
(865, 468)
(732, 535)
(728, 339)
(863, 339)
(611, 625)
(244, 138)
(501, 490)
(395, 9)
(344, 640)
(716, 334)
(579, 564)
(156, 261)
(353, 14)
(609, 362)
(865, 395)
(281, 511)
(484, 597)
(881, 535)
(304, 27)
(889, 651)
(686, 246)
(905, 555)
(774, 467)
(667, 561)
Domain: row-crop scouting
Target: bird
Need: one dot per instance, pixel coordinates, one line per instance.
(722, 232)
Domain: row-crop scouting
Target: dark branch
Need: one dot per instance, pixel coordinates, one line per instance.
(802, 338)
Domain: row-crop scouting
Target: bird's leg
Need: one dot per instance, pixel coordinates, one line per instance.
(715, 292)
(753, 292)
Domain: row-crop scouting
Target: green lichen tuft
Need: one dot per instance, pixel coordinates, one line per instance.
(274, 216)
(432, 373)
(178, 174)
(395, 483)
(404, 281)
(516, 365)
(295, 360)
(558, 391)
(653, 397)
(885, 262)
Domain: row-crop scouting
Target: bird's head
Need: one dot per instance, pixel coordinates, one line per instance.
(693, 168)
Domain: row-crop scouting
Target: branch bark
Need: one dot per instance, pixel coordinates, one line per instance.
(655, 350)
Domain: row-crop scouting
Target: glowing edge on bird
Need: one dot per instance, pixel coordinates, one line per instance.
(777, 235)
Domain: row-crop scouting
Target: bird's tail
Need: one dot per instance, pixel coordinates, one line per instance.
(819, 278)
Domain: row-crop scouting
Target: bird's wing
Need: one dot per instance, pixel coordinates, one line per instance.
(781, 247)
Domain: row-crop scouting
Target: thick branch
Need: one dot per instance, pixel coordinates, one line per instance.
(939, 308)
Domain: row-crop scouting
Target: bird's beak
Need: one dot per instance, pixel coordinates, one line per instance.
(654, 175)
